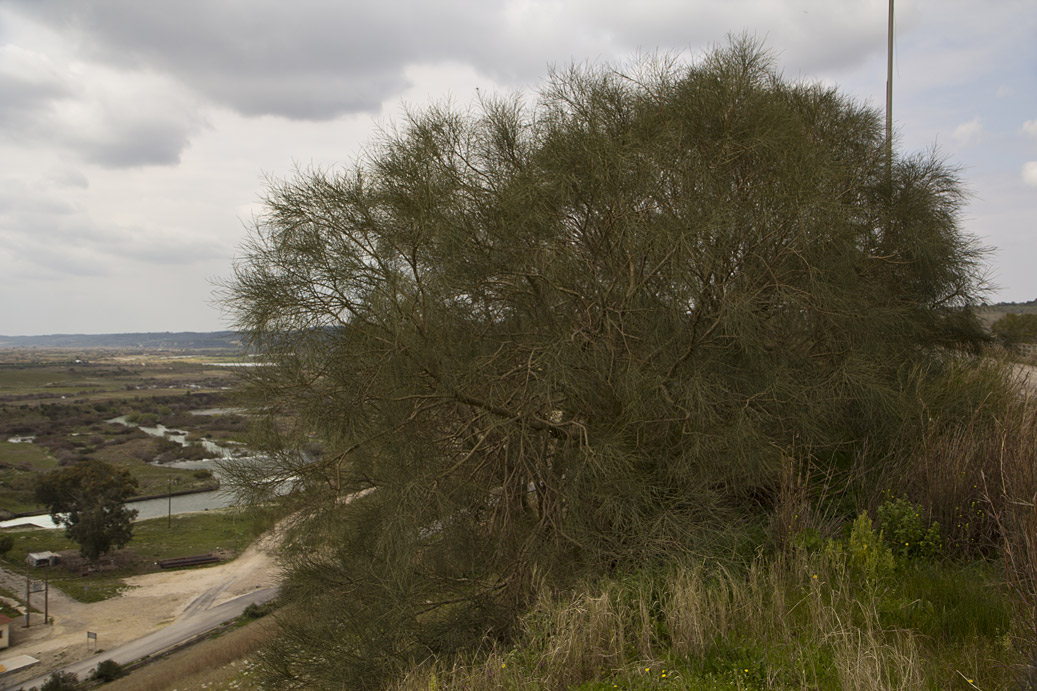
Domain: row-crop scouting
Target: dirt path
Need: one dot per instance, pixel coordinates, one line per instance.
(150, 602)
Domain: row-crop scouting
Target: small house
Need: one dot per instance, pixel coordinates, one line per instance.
(42, 558)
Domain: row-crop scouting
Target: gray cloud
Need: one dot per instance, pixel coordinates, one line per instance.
(306, 60)
(135, 143)
(317, 60)
(21, 100)
(50, 96)
(132, 132)
(44, 229)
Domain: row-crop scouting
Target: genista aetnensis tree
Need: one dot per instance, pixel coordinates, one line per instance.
(522, 343)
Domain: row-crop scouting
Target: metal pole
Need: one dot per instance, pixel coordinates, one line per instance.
(169, 520)
(46, 596)
(889, 93)
(28, 607)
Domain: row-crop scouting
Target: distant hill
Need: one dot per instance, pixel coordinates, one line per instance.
(991, 313)
(183, 340)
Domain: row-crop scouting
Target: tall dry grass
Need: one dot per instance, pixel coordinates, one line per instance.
(980, 422)
(1010, 495)
(978, 479)
(797, 605)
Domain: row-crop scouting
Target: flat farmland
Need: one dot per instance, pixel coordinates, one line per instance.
(57, 408)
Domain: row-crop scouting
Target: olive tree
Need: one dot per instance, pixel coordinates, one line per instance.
(535, 340)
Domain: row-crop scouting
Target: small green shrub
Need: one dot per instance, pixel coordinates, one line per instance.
(257, 611)
(108, 670)
(906, 533)
(61, 681)
(809, 539)
(868, 557)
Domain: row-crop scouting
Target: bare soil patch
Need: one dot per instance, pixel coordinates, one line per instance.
(150, 602)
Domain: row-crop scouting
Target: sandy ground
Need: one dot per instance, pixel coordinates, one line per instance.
(1027, 376)
(148, 603)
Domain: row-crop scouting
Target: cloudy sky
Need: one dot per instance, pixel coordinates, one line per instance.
(135, 137)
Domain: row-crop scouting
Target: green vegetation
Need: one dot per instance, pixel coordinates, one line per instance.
(89, 499)
(226, 531)
(61, 681)
(108, 670)
(59, 409)
(673, 379)
(31, 380)
(799, 621)
(19, 464)
(1014, 329)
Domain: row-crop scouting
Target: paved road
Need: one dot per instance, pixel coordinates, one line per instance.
(197, 618)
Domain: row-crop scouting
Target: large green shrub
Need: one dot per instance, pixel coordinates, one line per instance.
(543, 342)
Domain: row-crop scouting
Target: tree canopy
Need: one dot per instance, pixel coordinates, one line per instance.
(89, 499)
(526, 342)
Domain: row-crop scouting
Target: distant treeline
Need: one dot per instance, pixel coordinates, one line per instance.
(184, 340)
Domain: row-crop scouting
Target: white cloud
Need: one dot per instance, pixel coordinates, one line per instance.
(968, 133)
(1030, 173)
(1030, 128)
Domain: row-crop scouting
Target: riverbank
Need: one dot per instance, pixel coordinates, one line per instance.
(157, 506)
(179, 493)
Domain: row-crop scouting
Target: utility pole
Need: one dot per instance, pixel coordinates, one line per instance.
(169, 492)
(28, 607)
(889, 94)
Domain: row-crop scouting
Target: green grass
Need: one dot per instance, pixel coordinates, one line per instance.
(193, 533)
(952, 605)
(152, 479)
(7, 609)
(196, 533)
(27, 456)
(54, 379)
(18, 465)
(783, 622)
(24, 461)
(33, 379)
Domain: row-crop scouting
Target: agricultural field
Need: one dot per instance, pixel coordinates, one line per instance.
(59, 407)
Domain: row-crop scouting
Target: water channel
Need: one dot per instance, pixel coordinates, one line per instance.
(162, 506)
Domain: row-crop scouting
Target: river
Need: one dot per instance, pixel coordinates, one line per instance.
(161, 506)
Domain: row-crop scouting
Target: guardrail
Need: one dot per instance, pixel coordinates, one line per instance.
(178, 562)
